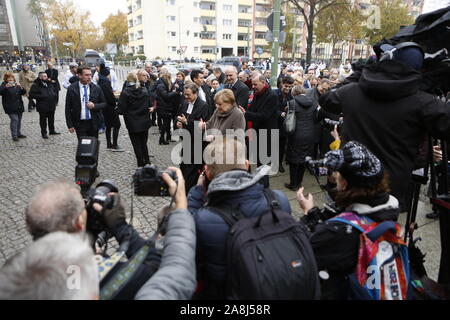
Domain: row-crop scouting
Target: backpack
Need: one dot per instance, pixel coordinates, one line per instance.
(382, 271)
(268, 257)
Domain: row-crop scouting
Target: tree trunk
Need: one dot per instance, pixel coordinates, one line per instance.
(309, 43)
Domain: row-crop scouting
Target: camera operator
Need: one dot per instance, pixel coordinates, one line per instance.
(58, 206)
(362, 188)
(386, 111)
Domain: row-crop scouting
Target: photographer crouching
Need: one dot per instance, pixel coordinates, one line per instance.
(59, 206)
(363, 190)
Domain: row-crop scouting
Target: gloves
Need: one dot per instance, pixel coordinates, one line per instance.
(115, 214)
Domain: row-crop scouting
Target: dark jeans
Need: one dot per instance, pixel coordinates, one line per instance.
(86, 128)
(16, 123)
(43, 118)
(296, 171)
(139, 142)
(165, 128)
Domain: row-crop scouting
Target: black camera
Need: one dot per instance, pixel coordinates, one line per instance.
(148, 182)
(316, 215)
(316, 167)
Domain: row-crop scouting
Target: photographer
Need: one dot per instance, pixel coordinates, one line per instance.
(386, 111)
(362, 188)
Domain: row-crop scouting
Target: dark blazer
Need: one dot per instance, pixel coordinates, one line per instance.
(109, 112)
(12, 98)
(46, 95)
(165, 98)
(53, 74)
(134, 105)
(241, 93)
(209, 99)
(73, 104)
(200, 111)
(264, 111)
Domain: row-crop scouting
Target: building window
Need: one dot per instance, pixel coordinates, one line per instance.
(207, 6)
(174, 49)
(207, 50)
(195, 20)
(260, 35)
(244, 23)
(227, 7)
(227, 22)
(245, 9)
(207, 21)
(170, 2)
(261, 21)
(170, 18)
(171, 34)
(226, 36)
(208, 35)
(195, 34)
(195, 4)
(242, 37)
(195, 49)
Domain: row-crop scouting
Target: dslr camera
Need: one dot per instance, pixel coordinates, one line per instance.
(330, 124)
(148, 182)
(316, 167)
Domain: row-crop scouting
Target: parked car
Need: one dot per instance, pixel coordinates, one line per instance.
(186, 68)
(232, 61)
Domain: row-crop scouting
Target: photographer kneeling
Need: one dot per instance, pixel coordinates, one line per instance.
(362, 189)
(58, 206)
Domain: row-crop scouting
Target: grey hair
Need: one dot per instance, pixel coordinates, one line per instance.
(60, 266)
(259, 77)
(231, 69)
(55, 206)
(192, 86)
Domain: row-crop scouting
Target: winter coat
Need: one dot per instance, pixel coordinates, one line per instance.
(26, 80)
(233, 119)
(388, 113)
(176, 276)
(12, 98)
(164, 100)
(46, 95)
(301, 143)
(282, 104)
(109, 112)
(263, 111)
(336, 244)
(134, 104)
(53, 75)
(178, 100)
(241, 93)
(236, 187)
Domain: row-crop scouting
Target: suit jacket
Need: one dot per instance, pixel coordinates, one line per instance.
(73, 104)
(209, 100)
(200, 111)
(53, 74)
(241, 93)
(264, 111)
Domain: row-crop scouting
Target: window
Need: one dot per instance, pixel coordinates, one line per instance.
(170, 2)
(195, 20)
(141, 50)
(226, 36)
(171, 34)
(174, 49)
(195, 34)
(243, 37)
(140, 35)
(195, 49)
(195, 4)
(359, 41)
(227, 7)
(260, 35)
(261, 21)
(138, 20)
(130, 24)
(170, 18)
(207, 21)
(208, 50)
(208, 35)
(207, 6)
(244, 23)
(227, 22)
(131, 36)
(245, 9)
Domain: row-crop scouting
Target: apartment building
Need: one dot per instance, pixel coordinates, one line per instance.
(207, 29)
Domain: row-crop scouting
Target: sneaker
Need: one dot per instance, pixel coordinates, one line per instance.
(22, 136)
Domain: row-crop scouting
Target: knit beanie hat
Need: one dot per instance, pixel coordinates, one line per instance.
(359, 166)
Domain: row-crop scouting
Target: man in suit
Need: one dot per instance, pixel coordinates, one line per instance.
(204, 92)
(84, 104)
(264, 115)
(52, 75)
(240, 90)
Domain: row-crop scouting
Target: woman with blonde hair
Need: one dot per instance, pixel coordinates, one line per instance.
(164, 107)
(227, 114)
(134, 105)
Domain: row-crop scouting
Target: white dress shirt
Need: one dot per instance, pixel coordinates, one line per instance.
(83, 102)
(201, 94)
(190, 107)
(67, 77)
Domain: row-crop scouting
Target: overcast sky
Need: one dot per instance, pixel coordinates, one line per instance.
(101, 9)
(431, 5)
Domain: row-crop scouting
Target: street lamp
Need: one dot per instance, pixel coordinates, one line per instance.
(179, 31)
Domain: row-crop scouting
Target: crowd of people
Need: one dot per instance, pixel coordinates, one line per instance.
(203, 249)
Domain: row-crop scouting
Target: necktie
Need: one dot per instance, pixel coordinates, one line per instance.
(86, 99)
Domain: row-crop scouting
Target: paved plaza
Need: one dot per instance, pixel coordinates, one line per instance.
(26, 164)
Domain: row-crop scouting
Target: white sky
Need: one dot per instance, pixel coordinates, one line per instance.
(431, 5)
(101, 9)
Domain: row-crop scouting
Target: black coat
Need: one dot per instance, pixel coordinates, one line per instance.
(209, 100)
(12, 98)
(45, 94)
(301, 142)
(164, 100)
(109, 112)
(388, 113)
(73, 105)
(241, 93)
(134, 104)
(53, 74)
(263, 111)
(178, 100)
(200, 111)
(282, 104)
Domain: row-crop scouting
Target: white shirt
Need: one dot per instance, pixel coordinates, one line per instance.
(83, 102)
(67, 77)
(190, 107)
(201, 94)
(114, 79)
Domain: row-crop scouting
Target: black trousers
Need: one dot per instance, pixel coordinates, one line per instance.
(139, 142)
(86, 128)
(115, 136)
(282, 147)
(45, 117)
(296, 171)
(165, 128)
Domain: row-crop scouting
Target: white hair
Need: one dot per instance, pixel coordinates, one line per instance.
(231, 69)
(60, 266)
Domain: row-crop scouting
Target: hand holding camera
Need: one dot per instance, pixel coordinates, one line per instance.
(113, 214)
(305, 203)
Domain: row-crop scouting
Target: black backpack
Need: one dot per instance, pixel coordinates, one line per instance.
(268, 257)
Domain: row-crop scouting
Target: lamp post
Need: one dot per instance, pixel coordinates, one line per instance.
(179, 31)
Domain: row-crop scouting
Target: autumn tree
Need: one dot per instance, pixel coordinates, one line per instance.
(390, 15)
(310, 10)
(115, 29)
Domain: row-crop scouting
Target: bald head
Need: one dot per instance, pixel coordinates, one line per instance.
(55, 206)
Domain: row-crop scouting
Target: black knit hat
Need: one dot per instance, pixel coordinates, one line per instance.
(359, 166)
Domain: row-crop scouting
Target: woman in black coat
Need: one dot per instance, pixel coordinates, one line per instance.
(164, 107)
(110, 115)
(134, 105)
(12, 93)
(301, 143)
(178, 100)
